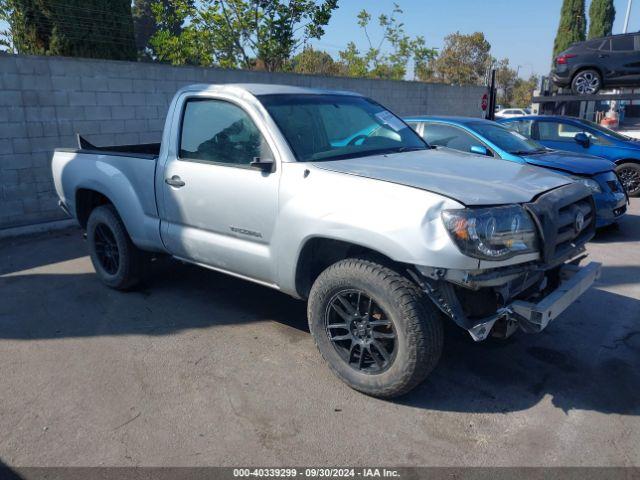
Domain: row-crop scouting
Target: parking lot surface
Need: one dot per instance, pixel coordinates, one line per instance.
(198, 368)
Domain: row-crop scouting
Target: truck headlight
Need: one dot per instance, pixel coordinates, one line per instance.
(589, 183)
(495, 233)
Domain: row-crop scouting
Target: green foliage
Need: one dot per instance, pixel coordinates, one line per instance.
(8, 16)
(315, 62)
(572, 25)
(602, 13)
(259, 34)
(145, 26)
(374, 62)
(464, 60)
(506, 80)
(74, 28)
(523, 91)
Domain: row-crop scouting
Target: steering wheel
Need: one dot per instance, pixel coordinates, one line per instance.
(356, 138)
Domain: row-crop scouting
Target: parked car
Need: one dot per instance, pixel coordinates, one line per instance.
(382, 235)
(493, 140)
(582, 136)
(606, 62)
(512, 112)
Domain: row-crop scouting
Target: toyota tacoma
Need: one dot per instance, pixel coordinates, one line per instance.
(329, 197)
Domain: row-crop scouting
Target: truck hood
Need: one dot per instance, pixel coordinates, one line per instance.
(469, 179)
(570, 162)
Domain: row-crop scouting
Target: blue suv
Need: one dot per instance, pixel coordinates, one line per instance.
(583, 136)
(487, 138)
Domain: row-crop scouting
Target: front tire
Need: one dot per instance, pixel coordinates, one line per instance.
(117, 261)
(629, 174)
(374, 327)
(586, 82)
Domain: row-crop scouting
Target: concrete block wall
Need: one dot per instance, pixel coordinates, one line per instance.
(44, 101)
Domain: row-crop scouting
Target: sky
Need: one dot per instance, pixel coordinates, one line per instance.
(520, 30)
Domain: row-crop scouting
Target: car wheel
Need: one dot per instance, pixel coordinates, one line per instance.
(117, 261)
(374, 327)
(629, 174)
(586, 82)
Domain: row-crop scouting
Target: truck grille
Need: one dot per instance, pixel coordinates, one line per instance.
(566, 220)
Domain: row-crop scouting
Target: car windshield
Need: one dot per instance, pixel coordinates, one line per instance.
(509, 140)
(605, 130)
(333, 127)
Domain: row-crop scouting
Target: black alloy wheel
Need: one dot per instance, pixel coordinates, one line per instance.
(360, 331)
(106, 249)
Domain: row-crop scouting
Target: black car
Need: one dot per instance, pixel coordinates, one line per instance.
(587, 67)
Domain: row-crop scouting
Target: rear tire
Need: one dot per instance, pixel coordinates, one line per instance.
(629, 174)
(586, 82)
(392, 335)
(117, 261)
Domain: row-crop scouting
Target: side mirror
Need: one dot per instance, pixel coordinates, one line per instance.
(582, 139)
(480, 150)
(266, 165)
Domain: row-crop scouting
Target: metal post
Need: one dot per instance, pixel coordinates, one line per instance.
(626, 17)
(491, 109)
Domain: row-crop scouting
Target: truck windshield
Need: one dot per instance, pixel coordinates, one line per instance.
(508, 140)
(334, 127)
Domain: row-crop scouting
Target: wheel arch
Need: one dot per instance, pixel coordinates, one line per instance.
(86, 200)
(319, 252)
(588, 67)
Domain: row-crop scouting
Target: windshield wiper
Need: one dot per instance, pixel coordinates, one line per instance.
(537, 151)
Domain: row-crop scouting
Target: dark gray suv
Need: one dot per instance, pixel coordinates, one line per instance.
(587, 67)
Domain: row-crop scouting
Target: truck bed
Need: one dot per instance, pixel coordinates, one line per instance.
(142, 150)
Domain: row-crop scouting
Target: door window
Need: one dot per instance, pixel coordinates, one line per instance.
(557, 132)
(449, 136)
(521, 126)
(622, 43)
(220, 132)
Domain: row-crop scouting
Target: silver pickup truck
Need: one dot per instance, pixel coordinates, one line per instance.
(327, 196)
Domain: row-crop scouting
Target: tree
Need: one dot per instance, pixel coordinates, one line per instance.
(523, 91)
(258, 34)
(8, 15)
(73, 28)
(315, 62)
(145, 25)
(572, 25)
(506, 79)
(602, 13)
(464, 60)
(375, 62)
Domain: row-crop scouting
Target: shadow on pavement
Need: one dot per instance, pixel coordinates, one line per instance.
(587, 359)
(24, 253)
(6, 473)
(626, 230)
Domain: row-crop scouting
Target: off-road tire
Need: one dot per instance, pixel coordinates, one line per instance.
(130, 258)
(417, 324)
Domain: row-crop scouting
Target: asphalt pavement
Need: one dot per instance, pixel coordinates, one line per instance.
(197, 368)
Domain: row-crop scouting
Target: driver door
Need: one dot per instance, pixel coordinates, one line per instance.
(218, 210)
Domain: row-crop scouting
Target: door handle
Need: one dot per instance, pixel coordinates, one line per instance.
(174, 181)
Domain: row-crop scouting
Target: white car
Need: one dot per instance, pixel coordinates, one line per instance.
(512, 112)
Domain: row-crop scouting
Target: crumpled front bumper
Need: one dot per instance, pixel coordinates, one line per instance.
(529, 316)
(534, 317)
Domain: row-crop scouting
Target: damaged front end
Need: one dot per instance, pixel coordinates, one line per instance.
(528, 296)
(499, 302)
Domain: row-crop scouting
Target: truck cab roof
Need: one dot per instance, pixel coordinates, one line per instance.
(257, 89)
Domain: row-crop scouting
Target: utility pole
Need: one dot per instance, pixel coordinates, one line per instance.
(626, 17)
